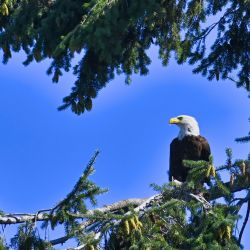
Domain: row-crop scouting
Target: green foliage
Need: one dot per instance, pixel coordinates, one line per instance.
(245, 138)
(179, 217)
(179, 222)
(3, 245)
(113, 36)
(27, 239)
(75, 202)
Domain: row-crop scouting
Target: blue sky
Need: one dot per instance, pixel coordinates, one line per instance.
(43, 151)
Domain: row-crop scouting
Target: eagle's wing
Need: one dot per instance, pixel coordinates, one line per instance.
(190, 148)
(174, 159)
(197, 148)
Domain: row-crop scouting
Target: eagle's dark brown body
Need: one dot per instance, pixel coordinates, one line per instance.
(189, 148)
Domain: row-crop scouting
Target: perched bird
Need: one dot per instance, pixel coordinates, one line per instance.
(189, 145)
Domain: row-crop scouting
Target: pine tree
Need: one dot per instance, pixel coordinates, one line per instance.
(187, 216)
(112, 37)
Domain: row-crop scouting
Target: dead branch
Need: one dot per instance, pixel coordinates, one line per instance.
(42, 216)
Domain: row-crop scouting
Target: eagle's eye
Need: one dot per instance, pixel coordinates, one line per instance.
(180, 118)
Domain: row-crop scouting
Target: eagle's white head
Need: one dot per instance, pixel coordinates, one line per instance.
(187, 124)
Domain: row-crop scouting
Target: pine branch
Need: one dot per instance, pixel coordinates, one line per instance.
(96, 237)
(212, 26)
(115, 212)
(42, 216)
(16, 218)
(239, 186)
(141, 207)
(143, 204)
(113, 207)
(243, 139)
(215, 194)
(245, 221)
(140, 203)
(77, 186)
(202, 200)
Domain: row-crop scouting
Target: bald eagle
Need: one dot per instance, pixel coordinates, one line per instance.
(189, 145)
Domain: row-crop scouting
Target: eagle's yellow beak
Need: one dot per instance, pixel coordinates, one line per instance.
(174, 121)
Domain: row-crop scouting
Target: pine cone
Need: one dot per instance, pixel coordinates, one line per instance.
(221, 233)
(243, 168)
(126, 227)
(208, 170)
(132, 223)
(228, 232)
(212, 171)
(232, 180)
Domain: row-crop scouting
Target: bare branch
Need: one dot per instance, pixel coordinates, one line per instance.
(202, 200)
(233, 80)
(20, 218)
(113, 207)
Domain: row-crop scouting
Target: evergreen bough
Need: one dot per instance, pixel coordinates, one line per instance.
(113, 36)
(187, 216)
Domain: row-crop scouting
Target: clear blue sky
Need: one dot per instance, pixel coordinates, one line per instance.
(43, 151)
